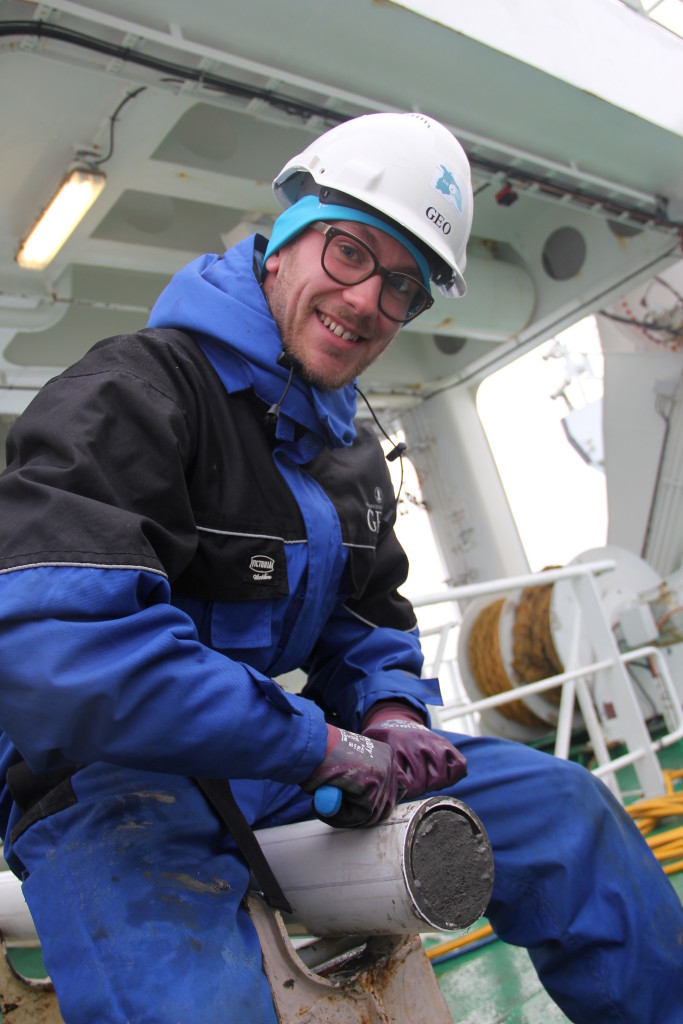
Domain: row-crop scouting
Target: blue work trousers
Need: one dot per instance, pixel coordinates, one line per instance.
(136, 894)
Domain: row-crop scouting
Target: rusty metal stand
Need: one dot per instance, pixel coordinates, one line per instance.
(25, 1000)
(382, 979)
(377, 980)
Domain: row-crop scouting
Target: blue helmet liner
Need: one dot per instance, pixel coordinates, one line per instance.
(309, 210)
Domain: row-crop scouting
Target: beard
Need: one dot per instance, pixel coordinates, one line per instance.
(326, 367)
(329, 381)
(294, 344)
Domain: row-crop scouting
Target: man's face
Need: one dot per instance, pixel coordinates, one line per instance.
(334, 331)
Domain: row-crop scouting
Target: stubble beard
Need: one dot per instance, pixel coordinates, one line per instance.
(329, 381)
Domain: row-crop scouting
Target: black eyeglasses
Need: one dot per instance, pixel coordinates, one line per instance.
(349, 260)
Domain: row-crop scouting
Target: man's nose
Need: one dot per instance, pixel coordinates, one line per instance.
(364, 297)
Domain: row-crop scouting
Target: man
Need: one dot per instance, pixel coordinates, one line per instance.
(188, 512)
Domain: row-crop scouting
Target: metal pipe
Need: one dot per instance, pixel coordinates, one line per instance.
(527, 689)
(565, 718)
(538, 579)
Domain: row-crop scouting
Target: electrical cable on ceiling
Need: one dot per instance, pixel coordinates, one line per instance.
(520, 178)
(185, 73)
(514, 175)
(89, 154)
(665, 284)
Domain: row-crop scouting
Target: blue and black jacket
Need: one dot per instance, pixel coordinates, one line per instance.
(166, 550)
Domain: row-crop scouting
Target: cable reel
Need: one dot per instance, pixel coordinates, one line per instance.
(526, 636)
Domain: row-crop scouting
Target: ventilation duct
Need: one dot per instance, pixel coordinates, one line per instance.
(499, 303)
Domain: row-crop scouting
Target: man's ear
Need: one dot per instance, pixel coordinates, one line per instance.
(272, 264)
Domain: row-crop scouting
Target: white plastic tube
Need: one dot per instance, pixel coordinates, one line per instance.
(16, 923)
(427, 866)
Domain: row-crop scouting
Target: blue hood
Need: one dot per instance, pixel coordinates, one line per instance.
(219, 301)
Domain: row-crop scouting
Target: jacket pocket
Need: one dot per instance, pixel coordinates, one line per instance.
(235, 566)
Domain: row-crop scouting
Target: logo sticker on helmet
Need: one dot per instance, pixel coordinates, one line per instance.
(445, 183)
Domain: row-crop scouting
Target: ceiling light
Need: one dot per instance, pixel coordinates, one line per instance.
(77, 193)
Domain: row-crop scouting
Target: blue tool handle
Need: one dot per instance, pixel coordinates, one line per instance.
(327, 801)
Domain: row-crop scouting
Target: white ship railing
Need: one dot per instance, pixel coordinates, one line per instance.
(590, 623)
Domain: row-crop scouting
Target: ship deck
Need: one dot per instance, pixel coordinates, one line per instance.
(496, 983)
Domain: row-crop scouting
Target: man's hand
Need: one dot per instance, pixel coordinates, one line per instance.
(424, 761)
(364, 770)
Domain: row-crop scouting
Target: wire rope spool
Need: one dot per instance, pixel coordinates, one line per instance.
(489, 666)
(534, 654)
(503, 644)
(529, 635)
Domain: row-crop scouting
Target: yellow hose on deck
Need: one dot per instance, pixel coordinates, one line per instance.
(648, 815)
(462, 940)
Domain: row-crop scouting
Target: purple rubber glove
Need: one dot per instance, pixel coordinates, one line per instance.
(364, 770)
(425, 761)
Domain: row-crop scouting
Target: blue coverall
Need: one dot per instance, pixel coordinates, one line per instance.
(134, 885)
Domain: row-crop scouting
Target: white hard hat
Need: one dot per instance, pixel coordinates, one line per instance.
(407, 167)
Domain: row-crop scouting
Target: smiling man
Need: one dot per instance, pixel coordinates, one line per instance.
(335, 312)
(190, 511)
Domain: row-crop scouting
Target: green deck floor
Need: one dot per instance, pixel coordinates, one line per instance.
(497, 984)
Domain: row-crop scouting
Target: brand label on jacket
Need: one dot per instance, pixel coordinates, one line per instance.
(374, 511)
(261, 567)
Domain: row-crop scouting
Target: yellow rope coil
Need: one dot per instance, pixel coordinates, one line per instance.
(486, 663)
(533, 649)
(534, 656)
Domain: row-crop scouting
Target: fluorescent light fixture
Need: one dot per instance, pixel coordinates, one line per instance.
(66, 210)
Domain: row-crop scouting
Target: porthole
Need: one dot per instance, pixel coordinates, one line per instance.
(449, 344)
(564, 254)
